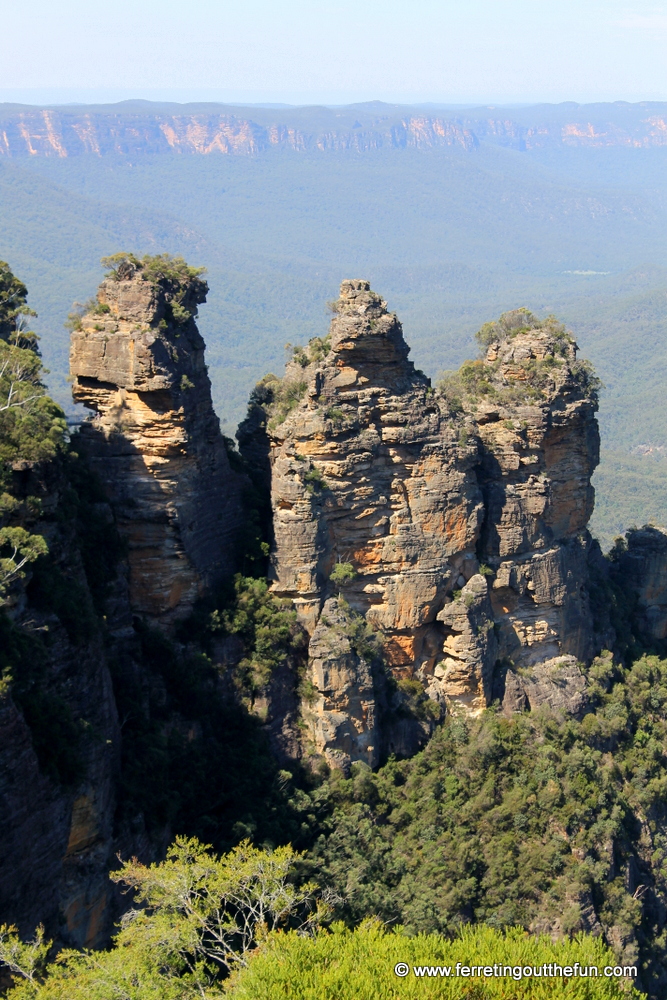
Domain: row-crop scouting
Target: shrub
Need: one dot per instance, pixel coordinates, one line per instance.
(520, 321)
(157, 268)
(14, 310)
(348, 965)
(314, 480)
(32, 426)
(20, 548)
(285, 396)
(267, 627)
(416, 702)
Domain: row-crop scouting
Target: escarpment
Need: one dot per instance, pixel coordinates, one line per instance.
(138, 362)
(451, 521)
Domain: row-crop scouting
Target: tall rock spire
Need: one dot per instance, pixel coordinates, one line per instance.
(137, 360)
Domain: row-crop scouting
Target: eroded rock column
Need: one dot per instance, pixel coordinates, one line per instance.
(450, 521)
(138, 362)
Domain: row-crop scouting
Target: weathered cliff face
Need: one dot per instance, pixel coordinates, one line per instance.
(452, 521)
(533, 405)
(164, 486)
(138, 361)
(27, 132)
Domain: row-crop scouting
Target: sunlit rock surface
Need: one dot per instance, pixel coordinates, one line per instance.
(454, 524)
(138, 363)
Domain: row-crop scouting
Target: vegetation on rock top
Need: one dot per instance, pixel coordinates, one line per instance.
(158, 269)
(536, 380)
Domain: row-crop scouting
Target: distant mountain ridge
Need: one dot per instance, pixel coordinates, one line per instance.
(457, 213)
(134, 128)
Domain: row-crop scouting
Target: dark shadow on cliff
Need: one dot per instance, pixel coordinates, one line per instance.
(195, 760)
(253, 456)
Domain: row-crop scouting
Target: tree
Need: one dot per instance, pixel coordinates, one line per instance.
(32, 426)
(343, 573)
(25, 959)
(14, 309)
(200, 917)
(20, 381)
(23, 549)
(219, 906)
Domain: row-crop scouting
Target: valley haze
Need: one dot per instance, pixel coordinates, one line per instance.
(458, 213)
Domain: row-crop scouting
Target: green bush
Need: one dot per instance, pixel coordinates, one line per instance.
(314, 480)
(359, 965)
(285, 396)
(342, 573)
(521, 321)
(266, 625)
(32, 426)
(415, 702)
(156, 268)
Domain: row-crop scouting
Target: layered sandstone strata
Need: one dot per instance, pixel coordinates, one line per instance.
(73, 132)
(138, 362)
(534, 408)
(453, 520)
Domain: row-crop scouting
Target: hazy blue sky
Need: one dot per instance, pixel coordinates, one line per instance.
(334, 51)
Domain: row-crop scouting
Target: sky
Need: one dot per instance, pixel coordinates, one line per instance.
(324, 52)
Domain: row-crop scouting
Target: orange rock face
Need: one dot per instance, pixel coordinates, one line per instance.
(138, 363)
(392, 495)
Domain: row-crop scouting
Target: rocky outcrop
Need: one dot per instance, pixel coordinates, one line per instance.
(340, 710)
(452, 521)
(533, 405)
(164, 485)
(641, 570)
(559, 683)
(138, 362)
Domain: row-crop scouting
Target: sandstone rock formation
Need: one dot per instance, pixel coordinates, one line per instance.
(138, 361)
(533, 405)
(28, 132)
(452, 521)
(342, 715)
(641, 570)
